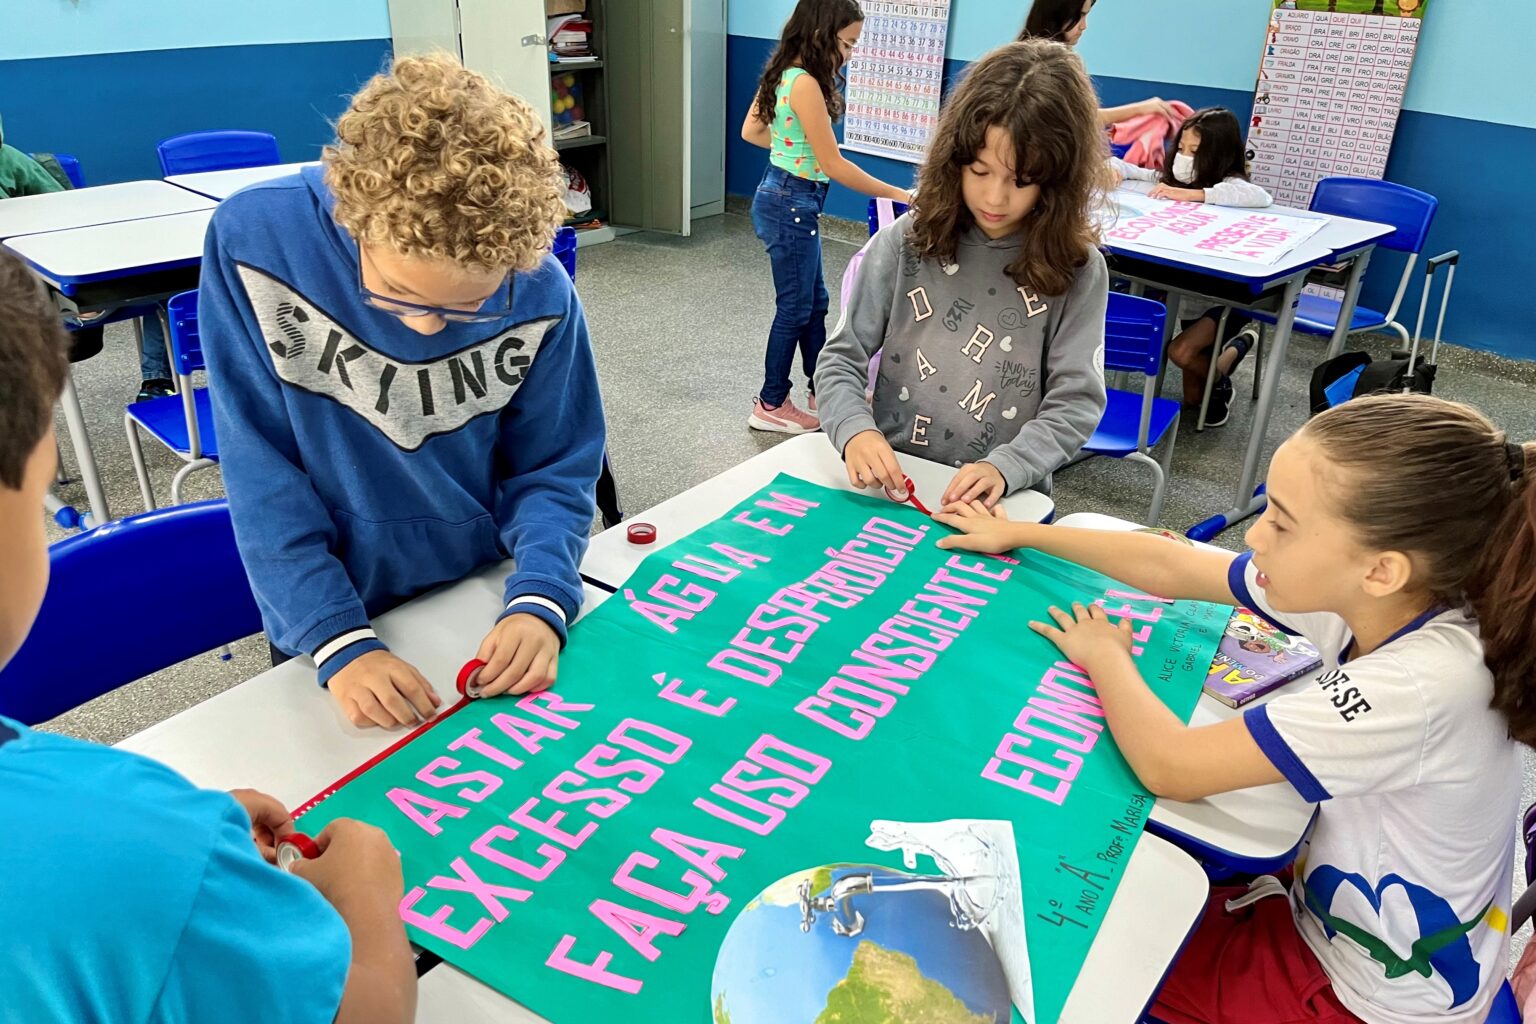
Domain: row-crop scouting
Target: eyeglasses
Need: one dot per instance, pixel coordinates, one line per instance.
(402, 308)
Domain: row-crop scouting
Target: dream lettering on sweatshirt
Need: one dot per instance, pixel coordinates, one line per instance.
(405, 401)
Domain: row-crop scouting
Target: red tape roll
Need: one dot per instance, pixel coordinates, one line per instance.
(641, 533)
(466, 680)
(294, 847)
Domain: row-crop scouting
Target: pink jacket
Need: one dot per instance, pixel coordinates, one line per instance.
(1148, 135)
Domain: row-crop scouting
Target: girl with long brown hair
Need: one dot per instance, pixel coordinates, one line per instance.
(988, 297)
(1400, 538)
(799, 96)
(1065, 21)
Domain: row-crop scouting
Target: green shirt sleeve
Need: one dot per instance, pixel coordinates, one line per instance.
(20, 175)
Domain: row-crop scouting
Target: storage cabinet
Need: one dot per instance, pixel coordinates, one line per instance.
(654, 94)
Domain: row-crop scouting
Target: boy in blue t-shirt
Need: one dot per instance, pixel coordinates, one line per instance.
(403, 385)
(126, 893)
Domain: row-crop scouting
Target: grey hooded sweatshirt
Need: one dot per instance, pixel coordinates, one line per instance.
(975, 367)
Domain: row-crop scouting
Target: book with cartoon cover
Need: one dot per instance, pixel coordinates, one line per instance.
(1254, 658)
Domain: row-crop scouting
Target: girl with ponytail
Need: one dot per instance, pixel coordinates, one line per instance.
(1400, 538)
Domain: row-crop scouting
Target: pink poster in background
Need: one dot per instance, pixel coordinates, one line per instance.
(1200, 229)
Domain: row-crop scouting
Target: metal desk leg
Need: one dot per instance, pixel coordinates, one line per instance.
(1350, 300)
(1170, 328)
(100, 512)
(1248, 500)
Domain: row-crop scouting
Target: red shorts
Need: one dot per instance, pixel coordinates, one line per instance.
(1248, 966)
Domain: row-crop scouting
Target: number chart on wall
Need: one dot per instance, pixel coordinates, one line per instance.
(895, 78)
(1329, 92)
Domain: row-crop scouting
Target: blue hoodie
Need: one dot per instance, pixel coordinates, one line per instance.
(366, 463)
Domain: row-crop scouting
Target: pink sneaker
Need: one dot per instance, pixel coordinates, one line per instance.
(785, 419)
(812, 405)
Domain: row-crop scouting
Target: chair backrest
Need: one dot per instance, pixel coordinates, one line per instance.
(186, 344)
(217, 151)
(1133, 334)
(127, 599)
(71, 168)
(883, 212)
(565, 250)
(1385, 202)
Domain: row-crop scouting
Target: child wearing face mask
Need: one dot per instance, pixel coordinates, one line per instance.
(1207, 165)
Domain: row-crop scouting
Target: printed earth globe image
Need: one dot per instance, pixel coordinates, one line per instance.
(858, 944)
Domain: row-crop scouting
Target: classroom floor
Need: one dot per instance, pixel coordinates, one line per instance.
(679, 326)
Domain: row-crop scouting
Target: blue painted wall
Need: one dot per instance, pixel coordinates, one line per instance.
(106, 80)
(1467, 134)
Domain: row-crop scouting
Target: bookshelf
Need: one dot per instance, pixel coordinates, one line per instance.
(653, 92)
(589, 154)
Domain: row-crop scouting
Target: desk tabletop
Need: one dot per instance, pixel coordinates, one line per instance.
(611, 558)
(223, 184)
(102, 251)
(1261, 823)
(101, 204)
(1340, 237)
(229, 741)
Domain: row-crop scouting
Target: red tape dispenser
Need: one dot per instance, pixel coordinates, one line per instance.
(294, 847)
(469, 675)
(910, 499)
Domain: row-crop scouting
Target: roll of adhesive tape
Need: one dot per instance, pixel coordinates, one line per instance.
(294, 847)
(641, 533)
(467, 679)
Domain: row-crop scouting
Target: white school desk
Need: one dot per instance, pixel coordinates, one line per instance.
(611, 558)
(281, 733)
(101, 204)
(221, 185)
(1273, 288)
(105, 266)
(72, 258)
(1261, 826)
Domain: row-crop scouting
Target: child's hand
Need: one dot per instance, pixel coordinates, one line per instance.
(1086, 636)
(357, 867)
(978, 480)
(270, 820)
(521, 654)
(981, 529)
(381, 689)
(872, 463)
(1158, 105)
(1178, 195)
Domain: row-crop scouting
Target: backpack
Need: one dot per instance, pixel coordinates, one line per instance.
(1354, 374)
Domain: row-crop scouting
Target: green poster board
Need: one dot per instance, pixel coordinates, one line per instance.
(805, 766)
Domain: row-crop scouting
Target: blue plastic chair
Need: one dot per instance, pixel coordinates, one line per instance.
(874, 213)
(71, 168)
(217, 151)
(146, 612)
(1134, 424)
(565, 250)
(1504, 1010)
(183, 422)
(1410, 211)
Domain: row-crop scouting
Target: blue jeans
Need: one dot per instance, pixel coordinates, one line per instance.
(154, 363)
(786, 214)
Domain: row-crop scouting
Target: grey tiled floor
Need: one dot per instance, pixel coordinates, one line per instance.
(679, 327)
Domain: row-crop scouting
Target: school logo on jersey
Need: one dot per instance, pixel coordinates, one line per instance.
(407, 402)
(1442, 947)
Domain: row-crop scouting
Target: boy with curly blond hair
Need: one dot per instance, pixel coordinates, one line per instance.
(403, 385)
